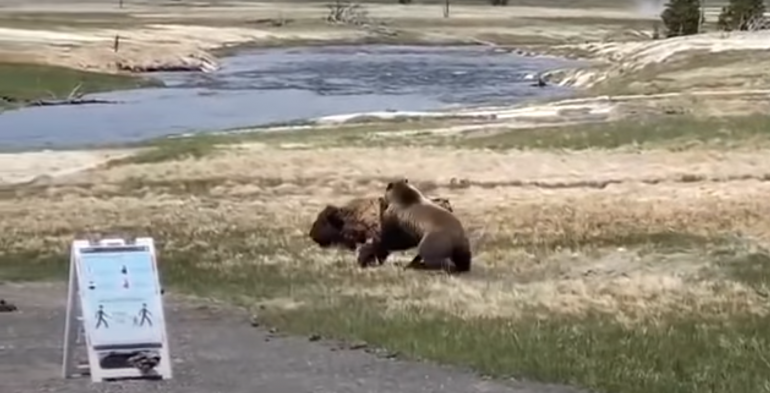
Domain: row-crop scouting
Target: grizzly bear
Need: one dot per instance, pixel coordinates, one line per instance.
(442, 238)
(355, 223)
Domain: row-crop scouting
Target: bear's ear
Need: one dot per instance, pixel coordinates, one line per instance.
(332, 215)
(393, 183)
(443, 202)
(383, 204)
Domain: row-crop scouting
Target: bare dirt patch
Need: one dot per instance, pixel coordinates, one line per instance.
(25, 167)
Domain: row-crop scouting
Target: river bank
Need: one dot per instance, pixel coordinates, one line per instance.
(189, 36)
(70, 49)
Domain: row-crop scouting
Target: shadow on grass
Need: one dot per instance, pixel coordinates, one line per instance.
(751, 268)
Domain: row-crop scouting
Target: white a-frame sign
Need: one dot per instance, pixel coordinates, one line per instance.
(115, 298)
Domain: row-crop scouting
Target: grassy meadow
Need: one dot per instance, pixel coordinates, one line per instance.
(616, 258)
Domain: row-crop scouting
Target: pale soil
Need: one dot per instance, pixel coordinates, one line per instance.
(506, 199)
(24, 167)
(628, 57)
(188, 32)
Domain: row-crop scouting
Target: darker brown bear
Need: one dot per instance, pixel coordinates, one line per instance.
(356, 222)
(442, 236)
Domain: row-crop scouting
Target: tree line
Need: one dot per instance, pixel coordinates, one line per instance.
(685, 17)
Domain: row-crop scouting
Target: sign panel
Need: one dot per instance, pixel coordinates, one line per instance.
(121, 298)
(115, 297)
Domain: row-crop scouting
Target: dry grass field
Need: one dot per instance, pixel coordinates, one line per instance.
(617, 264)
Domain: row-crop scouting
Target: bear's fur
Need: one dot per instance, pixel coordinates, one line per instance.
(355, 223)
(442, 236)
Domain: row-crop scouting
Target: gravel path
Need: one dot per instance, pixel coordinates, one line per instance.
(215, 350)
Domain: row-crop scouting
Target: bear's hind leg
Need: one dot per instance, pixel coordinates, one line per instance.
(461, 258)
(434, 249)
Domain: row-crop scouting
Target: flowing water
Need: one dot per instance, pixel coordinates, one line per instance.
(267, 86)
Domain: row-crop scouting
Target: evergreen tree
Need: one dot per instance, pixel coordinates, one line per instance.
(741, 14)
(681, 17)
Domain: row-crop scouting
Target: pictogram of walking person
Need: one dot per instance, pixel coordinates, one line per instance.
(144, 315)
(101, 317)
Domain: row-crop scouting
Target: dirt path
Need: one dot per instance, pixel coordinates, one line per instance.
(216, 350)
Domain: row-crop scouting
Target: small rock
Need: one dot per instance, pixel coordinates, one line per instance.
(267, 339)
(254, 321)
(357, 345)
(314, 337)
(273, 331)
(390, 355)
(7, 307)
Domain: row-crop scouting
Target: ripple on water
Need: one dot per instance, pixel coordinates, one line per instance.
(280, 85)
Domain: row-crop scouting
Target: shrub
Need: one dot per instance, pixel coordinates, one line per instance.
(681, 17)
(742, 15)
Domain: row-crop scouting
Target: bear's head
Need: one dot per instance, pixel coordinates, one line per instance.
(327, 229)
(400, 192)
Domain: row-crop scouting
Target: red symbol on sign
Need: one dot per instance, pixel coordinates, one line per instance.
(124, 271)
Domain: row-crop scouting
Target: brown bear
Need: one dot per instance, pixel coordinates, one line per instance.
(405, 210)
(355, 223)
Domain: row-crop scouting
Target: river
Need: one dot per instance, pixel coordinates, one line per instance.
(267, 86)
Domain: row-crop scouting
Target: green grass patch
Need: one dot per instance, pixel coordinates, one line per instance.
(675, 132)
(751, 267)
(362, 132)
(26, 82)
(171, 150)
(67, 20)
(656, 78)
(679, 356)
